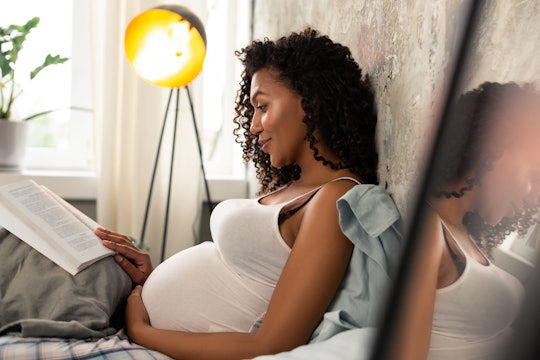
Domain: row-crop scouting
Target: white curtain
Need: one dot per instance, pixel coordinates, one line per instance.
(128, 115)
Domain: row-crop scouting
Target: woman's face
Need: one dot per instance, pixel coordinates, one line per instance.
(514, 181)
(277, 119)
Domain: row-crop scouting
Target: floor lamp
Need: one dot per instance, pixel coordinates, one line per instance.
(166, 46)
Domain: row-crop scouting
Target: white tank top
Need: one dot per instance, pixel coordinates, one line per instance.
(473, 316)
(223, 285)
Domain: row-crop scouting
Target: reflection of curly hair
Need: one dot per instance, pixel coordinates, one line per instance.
(476, 111)
(489, 236)
(338, 103)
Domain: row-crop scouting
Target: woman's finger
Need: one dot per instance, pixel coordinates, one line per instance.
(136, 275)
(137, 291)
(113, 236)
(128, 251)
(135, 262)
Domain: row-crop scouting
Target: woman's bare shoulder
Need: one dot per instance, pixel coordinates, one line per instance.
(335, 189)
(322, 209)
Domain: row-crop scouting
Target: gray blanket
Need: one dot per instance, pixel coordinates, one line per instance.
(40, 299)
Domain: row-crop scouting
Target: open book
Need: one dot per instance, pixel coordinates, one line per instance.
(50, 225)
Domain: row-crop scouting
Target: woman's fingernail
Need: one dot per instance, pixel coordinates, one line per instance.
(118, 258)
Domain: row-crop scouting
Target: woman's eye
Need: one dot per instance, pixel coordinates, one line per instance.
(261, 107)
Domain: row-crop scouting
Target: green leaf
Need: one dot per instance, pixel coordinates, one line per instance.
(5, 66)
(16, 34)
(32, 23)
(49, 60)
(25, 29)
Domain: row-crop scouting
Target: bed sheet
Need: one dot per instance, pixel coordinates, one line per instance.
(114, 347)
(349, 345)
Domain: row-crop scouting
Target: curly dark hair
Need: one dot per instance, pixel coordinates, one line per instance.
(475, 113)
(337, 100)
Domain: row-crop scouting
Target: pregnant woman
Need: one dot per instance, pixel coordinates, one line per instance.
(305, 116)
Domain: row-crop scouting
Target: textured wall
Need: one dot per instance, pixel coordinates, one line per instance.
(507, 47)
(406, 47)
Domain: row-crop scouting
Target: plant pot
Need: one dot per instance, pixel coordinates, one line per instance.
(13, 136)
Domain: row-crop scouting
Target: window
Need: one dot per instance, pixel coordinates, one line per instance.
(227, 29)
(62, 139)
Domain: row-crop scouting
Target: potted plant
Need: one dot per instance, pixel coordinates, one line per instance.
(13, 131)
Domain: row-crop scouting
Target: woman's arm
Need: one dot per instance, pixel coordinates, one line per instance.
(411, 336)
(312, 274)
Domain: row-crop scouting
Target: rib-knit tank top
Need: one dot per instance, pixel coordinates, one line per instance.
(224, 285)
(473, 316)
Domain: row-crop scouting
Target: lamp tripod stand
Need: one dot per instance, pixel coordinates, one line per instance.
(176, 91)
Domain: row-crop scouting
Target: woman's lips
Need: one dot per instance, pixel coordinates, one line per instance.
(264, 144)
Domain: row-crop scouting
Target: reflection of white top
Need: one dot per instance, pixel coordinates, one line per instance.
(473, 316)
(223, 285)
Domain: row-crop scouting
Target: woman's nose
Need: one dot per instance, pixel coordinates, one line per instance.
(256, 126)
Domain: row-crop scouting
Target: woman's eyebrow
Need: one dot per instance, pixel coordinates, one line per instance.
(256, 94)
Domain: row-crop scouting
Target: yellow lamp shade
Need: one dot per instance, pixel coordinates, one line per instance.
(166, 45)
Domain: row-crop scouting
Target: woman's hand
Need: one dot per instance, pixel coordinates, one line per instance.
(136, 315)
(135, 262)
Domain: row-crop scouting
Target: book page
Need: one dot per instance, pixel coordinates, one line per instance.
(48, 218)
(13, 224)
(83, 218)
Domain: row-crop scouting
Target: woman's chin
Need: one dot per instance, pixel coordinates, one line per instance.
(279, 164)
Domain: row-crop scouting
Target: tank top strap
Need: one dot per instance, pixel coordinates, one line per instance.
(307, 192)
(452, 244)
(319, 187)
(456, 243)
(346, 178)
(289, 213)
(448, 236)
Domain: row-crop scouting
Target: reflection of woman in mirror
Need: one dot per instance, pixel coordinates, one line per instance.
(460, 305)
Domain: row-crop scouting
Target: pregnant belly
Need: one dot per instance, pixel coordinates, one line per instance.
(195, 291)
